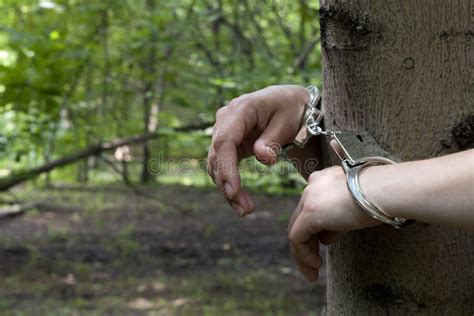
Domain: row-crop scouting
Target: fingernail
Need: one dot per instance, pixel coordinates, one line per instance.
(273, 149)
(228, 190)
(239, 209)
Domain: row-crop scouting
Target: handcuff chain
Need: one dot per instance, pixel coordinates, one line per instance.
(313, 127)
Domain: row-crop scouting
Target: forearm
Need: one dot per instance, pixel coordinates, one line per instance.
(438, 191)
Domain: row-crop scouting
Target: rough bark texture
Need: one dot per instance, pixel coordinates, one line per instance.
(403, 70)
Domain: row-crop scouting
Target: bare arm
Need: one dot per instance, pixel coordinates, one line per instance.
(438, 191)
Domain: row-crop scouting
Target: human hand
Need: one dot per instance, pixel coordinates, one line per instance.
(326, 209)
(257, 123)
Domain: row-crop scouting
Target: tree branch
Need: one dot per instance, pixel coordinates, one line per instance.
(308, 48)
(92, 150)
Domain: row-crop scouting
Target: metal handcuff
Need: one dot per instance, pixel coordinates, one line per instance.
(311, 126)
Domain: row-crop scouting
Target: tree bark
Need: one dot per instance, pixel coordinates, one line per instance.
(403, 71)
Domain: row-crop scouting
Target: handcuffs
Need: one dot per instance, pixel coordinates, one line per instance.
(311, 126)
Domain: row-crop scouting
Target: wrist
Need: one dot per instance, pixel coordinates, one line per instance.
(379, 184)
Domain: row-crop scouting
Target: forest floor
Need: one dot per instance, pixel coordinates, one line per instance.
(178, 251)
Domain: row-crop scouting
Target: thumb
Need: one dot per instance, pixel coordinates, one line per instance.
(270, 143)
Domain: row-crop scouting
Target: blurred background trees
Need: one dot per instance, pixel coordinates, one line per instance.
(81, 76)
(76, 73)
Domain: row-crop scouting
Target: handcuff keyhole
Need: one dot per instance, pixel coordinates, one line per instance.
(360, 138)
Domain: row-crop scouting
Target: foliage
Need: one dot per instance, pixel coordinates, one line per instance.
(73, 73)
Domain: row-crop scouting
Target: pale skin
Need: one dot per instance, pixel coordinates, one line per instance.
(438, 191)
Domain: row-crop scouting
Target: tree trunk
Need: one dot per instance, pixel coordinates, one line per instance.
(401, 70)
(148, 93)
(104, 32)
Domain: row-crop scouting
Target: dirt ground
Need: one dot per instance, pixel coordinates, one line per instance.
(176, 251)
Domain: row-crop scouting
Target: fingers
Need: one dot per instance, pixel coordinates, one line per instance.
(234, 122)
(304, 243)
(211, 160)
(308, 252)
(295, 214)
(311, 273)
(250, 203)
(225, 169)
(230, 136)
(269, 144)
(302, 230)
(225, 174)
(242, 204)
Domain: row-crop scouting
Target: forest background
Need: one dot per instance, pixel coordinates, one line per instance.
(102, 231)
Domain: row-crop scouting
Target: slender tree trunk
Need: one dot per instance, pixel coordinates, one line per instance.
(403, 71)
(82, 171)
(104, 31)
(302, 37)
(149, 70)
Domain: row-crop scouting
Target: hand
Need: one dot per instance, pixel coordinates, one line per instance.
(325, 210)
(257, 124)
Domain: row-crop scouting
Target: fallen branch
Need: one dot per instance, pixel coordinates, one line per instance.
(93, 150)
(19, 209)
(10, 211)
